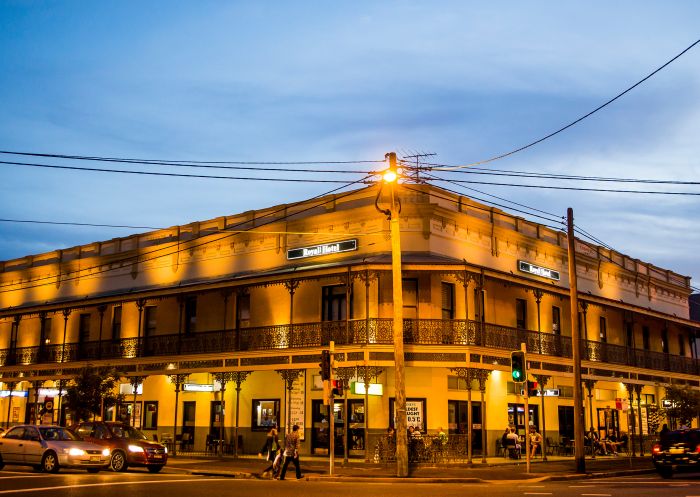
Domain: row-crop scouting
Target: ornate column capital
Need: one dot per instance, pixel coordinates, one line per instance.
(290, 376)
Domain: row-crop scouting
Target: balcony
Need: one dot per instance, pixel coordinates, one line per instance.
(358, 332)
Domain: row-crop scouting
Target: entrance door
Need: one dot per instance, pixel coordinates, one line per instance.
(516, 417)
(188, 417)
(608, 419)
(354, 437)
(215, 420)
(458, 422)
(566, 422)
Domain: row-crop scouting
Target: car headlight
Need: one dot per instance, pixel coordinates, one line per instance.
(166, 448)
(76, 452)
(135, 448)
(105, 452)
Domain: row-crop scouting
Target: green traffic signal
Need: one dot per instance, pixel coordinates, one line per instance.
(517, 366)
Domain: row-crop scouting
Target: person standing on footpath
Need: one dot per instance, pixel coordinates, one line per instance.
(291, 452)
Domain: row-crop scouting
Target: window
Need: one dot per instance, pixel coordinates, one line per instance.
(664, 341)
(645, 337)
(521, 314)
(116, 322)
(630, 335)
(45, 337)
(681, 345)
(410, 298)
(149, 329)
(242, 310)
(334, 303)
(84, 328)
(479, 305)
(603, 330)
(150, 415)
(448, 300)
(458, 383)
(85, 430)
(190, 314)
(556, 320)
(265, 414)
(15, 433)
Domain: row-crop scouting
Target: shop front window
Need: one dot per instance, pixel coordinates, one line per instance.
(265, 414)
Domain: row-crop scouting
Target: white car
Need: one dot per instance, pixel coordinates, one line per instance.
(48, 448)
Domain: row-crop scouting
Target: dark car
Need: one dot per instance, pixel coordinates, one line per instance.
(128, 446)
(677, 451)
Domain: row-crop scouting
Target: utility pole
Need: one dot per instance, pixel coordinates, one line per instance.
(575, 347)
(523, 348)
(391, 177)
(331, 413)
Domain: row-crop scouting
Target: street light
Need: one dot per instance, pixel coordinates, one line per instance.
(390, 177)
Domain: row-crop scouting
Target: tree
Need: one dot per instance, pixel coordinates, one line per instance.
(685, 403)
(92, 391)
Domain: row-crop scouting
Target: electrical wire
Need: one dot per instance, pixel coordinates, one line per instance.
(186, 245)
(67, 223)
(177, 175)
(550, 135)
(182, 162)
(570, 177)
(534, 209)
(572, 188)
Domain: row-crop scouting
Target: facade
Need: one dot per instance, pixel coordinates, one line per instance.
(239, 308)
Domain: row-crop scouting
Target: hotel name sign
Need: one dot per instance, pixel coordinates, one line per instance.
(544, 272)
(324, 249)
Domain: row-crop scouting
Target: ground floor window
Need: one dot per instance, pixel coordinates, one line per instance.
(266, 414)
(516, 417)
(566, 422)
(150, 415)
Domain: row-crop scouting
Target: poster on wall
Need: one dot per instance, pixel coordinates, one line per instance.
(297, 401)
(645, 421)
(414, 414)
(15, 414)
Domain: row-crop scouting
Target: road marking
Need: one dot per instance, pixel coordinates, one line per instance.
(597, 495)
(537, 493)
(41, 489)
(19, 475)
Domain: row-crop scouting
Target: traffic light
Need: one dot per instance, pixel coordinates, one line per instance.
(325, 365)
(532, 390)
(517, 366)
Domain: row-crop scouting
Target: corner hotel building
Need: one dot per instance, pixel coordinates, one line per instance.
(249, 301)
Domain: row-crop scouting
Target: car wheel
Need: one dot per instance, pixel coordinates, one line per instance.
(118, 462)
(93, 470)
(666, 472)
(154, 469)
(49, 463)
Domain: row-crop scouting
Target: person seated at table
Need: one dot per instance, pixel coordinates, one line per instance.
(612, 443)
(535, 441)
(513, 444)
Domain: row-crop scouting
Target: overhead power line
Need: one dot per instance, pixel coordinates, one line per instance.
(177, 175)
(568, 177)
(572, 188)
(191, 163)
(550, 135)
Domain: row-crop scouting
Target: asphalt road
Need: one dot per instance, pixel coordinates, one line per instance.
(18, 481)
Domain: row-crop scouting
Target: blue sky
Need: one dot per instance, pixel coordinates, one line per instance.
(343, 81)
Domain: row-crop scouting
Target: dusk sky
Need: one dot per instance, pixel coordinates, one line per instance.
(343, 81)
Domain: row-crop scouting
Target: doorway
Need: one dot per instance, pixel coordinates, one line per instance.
(458, 424)
(188, 417)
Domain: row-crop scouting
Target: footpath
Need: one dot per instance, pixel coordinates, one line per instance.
(495, 470)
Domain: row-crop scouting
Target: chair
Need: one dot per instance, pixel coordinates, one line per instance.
(501, 449)
(552, 446)
(512, 448)
(185, 441)
(211, 445)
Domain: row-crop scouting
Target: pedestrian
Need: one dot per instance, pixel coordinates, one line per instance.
(270, 449)
(291, 452)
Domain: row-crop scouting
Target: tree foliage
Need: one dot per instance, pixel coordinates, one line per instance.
(685, 403)
(92, 391)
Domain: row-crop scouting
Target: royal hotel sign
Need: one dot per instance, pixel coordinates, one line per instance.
(324, 249)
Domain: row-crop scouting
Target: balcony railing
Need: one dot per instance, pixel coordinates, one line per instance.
(357, 331)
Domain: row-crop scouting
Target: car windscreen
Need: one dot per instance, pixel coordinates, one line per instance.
(57, 433)
(128, 432)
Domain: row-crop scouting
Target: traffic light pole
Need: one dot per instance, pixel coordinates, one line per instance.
(523, 348)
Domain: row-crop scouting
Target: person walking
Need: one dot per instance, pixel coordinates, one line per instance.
(269, 450)
(291, 452)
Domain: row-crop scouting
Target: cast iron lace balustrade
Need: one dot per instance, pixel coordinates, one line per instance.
(458, 332)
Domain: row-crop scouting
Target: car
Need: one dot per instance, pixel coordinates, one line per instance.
(49, 448)
(128, 446)
(677, 451)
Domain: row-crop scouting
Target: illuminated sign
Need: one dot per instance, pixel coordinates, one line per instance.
(319, 250)
(194, 387)
(50, 392)
(15, 393)
(548, 392)
(544, 272)
(358, 388)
